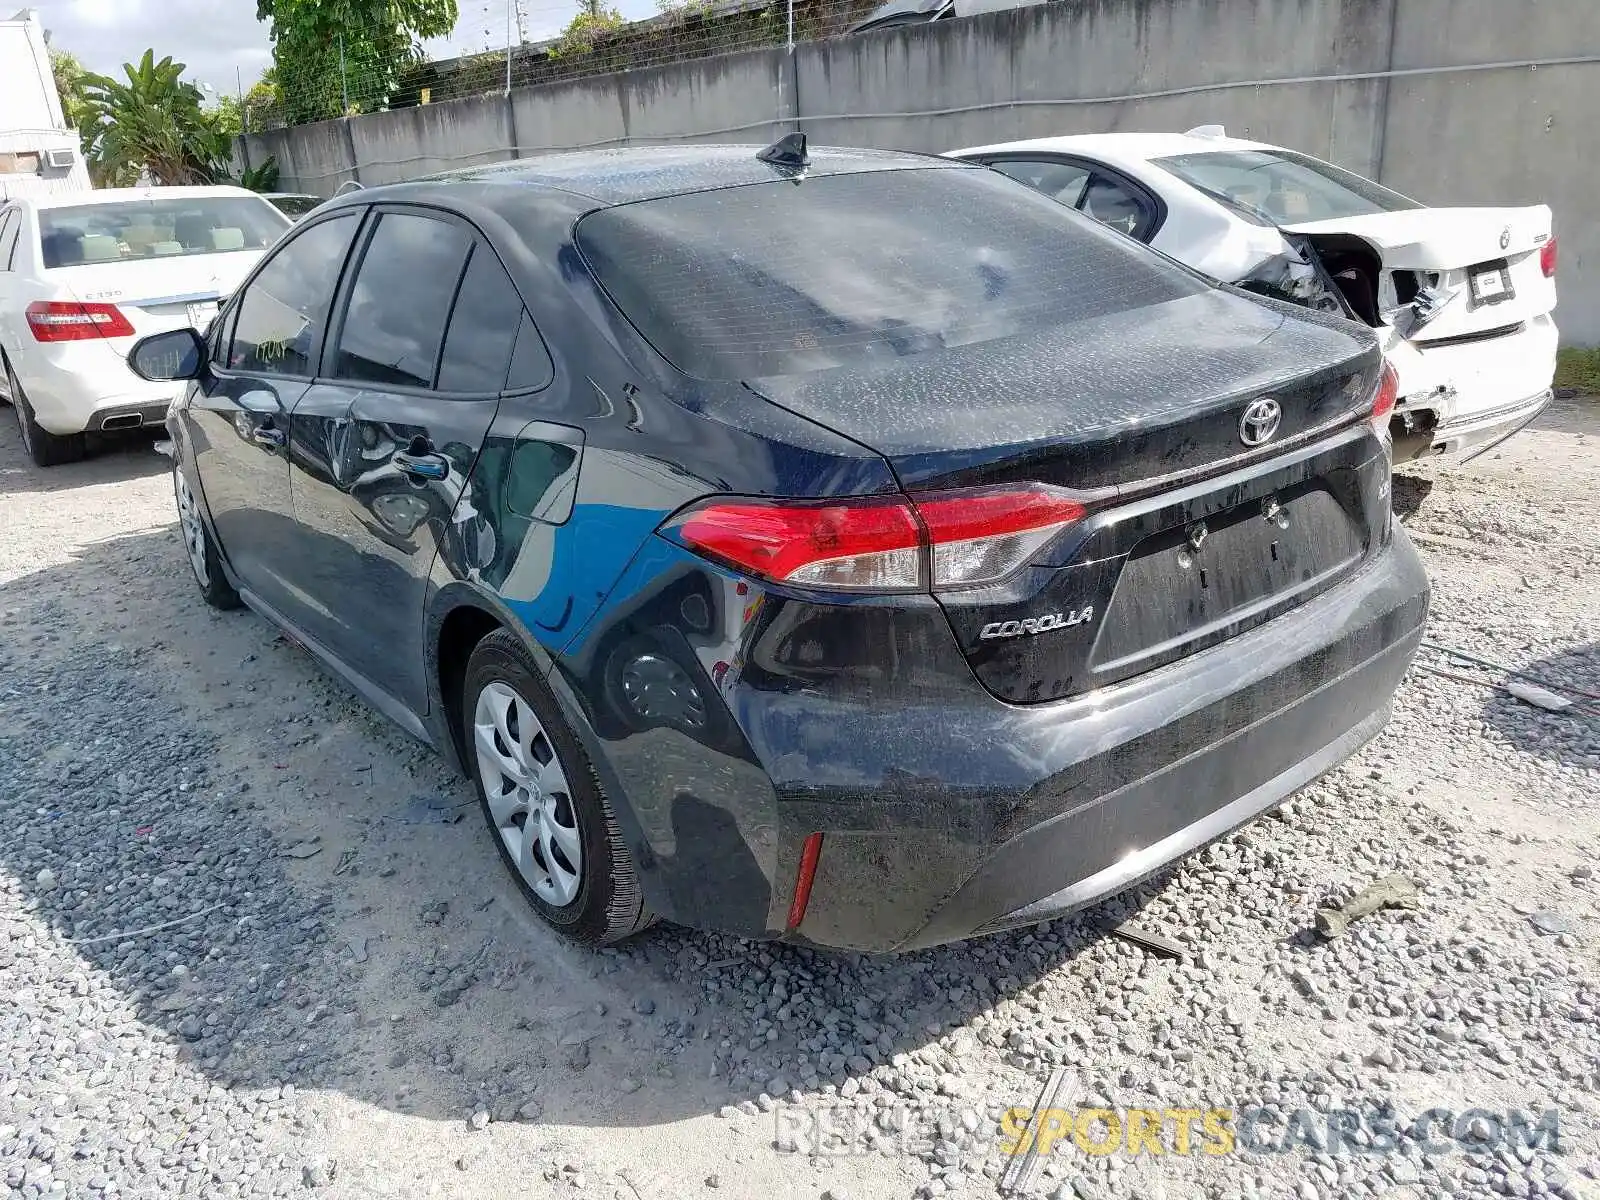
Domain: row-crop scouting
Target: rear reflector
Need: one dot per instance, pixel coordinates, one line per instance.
(1547, 258)
(809, 854)
(69, 321)
(1383, 400)
(877, 544)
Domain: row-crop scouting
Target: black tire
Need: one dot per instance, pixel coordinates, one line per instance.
(205, 564)
(45, 448)
(609, 905)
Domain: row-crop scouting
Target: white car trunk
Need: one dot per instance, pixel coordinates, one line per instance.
(1475, 269)
(155, 294)
(1464, 304)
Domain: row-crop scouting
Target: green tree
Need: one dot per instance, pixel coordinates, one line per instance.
(595, 20)
(70, 77)
(328, 50)
(153, 121)
(263, 103)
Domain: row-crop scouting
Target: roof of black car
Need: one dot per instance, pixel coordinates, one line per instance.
(645, 172)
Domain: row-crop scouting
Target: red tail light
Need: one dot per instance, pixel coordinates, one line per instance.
(1383, 401)
(1547, 258)
(944, 539)
(69, 321)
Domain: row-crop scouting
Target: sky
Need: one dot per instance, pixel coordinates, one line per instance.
(224, 45)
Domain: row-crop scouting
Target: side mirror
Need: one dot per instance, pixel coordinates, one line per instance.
(164, 357)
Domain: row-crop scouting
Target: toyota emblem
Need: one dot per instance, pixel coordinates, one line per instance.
(1505, 238)
(1260, 421)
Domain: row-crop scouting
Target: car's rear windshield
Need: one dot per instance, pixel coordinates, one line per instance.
(1281, 187)
(787, 278)
(121, 230)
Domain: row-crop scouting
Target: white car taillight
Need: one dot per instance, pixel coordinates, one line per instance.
(70, 321)
(875, 544)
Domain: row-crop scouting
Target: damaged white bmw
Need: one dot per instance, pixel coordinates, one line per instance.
(1462, 298)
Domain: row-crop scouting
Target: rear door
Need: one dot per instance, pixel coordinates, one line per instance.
(236, 417)
(383, 442)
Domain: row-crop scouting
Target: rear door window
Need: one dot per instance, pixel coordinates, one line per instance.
(284, 308)
(10, 223)
(1062, 182)
(531, 367)
(1111, 203)
(785, 278)
(483, 328)
(394, 325)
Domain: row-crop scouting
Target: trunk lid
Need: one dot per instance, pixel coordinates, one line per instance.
(1192, 535)
(1450, 272)
(157, 295)
(1099, 405)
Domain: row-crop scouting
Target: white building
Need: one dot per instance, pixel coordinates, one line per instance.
(39, 155)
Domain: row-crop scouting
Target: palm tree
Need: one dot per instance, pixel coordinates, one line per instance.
(153, 121)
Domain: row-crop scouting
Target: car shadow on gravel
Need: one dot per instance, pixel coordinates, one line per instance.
(111, 459)
(288, 891)
(1409, 492)
(1568, 739)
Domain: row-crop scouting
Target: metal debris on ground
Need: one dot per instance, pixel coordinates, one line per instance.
(303, 849)
(1023, 1166)
(1393, 891)
(1148, 940)
(1532, 693)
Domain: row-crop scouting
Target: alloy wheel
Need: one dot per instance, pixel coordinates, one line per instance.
(529, 799)
(194, 533)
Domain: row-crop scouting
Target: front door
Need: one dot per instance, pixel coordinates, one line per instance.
(383, 442)
(237, 416)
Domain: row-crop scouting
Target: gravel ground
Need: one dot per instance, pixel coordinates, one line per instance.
(257, 944)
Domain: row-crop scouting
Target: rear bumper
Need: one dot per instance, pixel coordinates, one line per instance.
(1470, 435)
(1120, 784)
(77, 386)
(1461, 400)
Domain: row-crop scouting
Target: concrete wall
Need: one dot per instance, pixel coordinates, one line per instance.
(1370, 84)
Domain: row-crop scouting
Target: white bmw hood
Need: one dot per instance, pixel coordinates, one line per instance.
(1442, 239)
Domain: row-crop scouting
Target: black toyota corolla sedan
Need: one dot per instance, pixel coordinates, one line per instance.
(853, 548)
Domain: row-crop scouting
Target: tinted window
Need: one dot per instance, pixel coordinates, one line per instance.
(1060, 181)
(530, 363)
(483, 328)
(1110, 203)
(1282, 187)
(780, 278)
(282, 311)
(122, 230)
(394, 325)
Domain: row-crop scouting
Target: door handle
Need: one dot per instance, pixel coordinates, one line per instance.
(422, 466)
(266, 435)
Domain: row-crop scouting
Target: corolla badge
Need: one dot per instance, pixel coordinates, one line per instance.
(1032, 625)
(1260, 421)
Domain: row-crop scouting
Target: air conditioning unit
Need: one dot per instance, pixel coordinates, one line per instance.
(62, 159)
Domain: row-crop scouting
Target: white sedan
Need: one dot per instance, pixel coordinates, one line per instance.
(1462, 298)
(84, 276)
